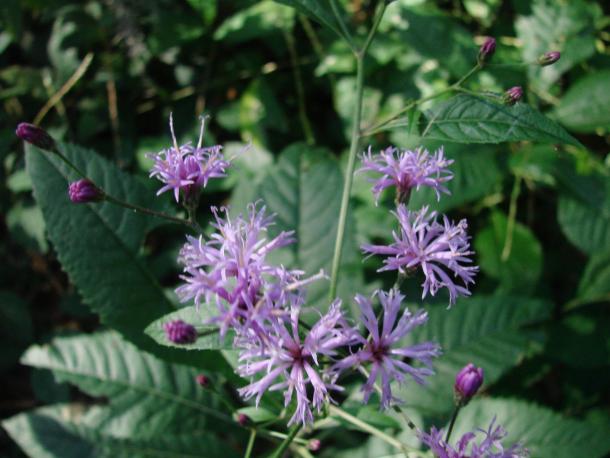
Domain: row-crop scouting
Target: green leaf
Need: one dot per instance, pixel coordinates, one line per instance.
(469, 119)
(98, 244)
(146, 395)
(207, 338)
(303, 189)
(517, 262)
(258, 414)
(584, 108)
(480, 330)
(318, 10)
(260, 19)
(545, 433)
(49, 433)
(595, 282)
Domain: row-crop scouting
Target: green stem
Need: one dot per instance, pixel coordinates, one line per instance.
(453, 418)
(512, 216)
(351, 162)
(250, 445)
(286, 443)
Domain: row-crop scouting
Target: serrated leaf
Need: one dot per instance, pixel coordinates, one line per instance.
(98, 244)
(48, 433)
(480, 330)
(318, 10)
(146, 394)
(469, 119)
(544, 433)
(584, 108)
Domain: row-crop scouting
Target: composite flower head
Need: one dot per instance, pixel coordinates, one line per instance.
(407, 169)
(442, 251)
(230, 269)
(389, 359)
(186, 169)
(282, 360)
(488, 446)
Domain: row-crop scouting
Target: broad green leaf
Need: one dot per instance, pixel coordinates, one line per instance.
(469, 119)
(544, 433)
(515, 261)
(98, 245)
(304, 190)
(146, 394)
(319, 10)
(584, 108)
(208, 337)
(480, 330)
(595, 281)
(258, 414)
(49, 433)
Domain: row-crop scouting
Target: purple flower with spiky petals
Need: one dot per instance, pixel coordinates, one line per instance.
(406, 170)
(489, 447)
(382, 348)
(186, 169)
(439, 249)
(287, 362)
(230, 269)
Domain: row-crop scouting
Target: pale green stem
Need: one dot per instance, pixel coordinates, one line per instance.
(287, 441)
(512, 216)
(351, 161)
(250, 445)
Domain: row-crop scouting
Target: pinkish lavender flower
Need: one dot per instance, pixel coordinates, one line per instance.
(179, 332)
(513, 95)
(549, 58)
(35, 136)
(286, 362)
(489, 447)
(231, 271)
(467, 382)
(487, 50)
(382, 348)
(84, 191)
(187, 169)
(406, 170)
(439, 249)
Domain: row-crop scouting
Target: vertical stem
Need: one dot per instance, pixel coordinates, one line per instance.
(453, 418)
(284, 445)
(512, 216)
(250, 445)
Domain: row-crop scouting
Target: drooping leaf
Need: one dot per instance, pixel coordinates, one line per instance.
(469, 119)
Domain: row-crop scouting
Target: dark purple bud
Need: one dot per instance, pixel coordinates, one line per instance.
(35, 136)
(314, 445)
(513, 95)
(243, 419)
(202, 380)
(549, 58)
(179, 332)
(84, 191)
(467, 382)
(487, 49)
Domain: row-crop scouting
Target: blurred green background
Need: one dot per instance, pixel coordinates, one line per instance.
(105, 74)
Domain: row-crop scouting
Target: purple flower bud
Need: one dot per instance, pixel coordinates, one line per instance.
(549, 58)
(84, 191)
(35, 136)
(179, 332)
(243, 419)
(467, 382)
(513, 95)
(487, 50)
(314, 445)
(203, 380)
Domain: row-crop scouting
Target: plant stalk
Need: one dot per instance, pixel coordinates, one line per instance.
(286, 443)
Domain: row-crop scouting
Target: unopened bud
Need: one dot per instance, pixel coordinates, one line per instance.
(179, 332)
(84, 191)
(243, 419)
(513, 95)
(549, 58)
(314, 445)
(487, 50)
(467, 383)
(203, 380)
(35, 136)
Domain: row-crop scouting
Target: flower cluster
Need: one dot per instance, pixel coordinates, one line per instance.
(489, 447)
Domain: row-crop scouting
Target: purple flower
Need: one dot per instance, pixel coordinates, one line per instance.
(84, 191)
(35, 136)
(382, 348)
(179, 332)
(187, 169)
(467, 382)
(513, 95)
(490, 447)
(406, 170)
(549, 58)
(230, 270)
(286, 362)
(487, 49)
(439, 249)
